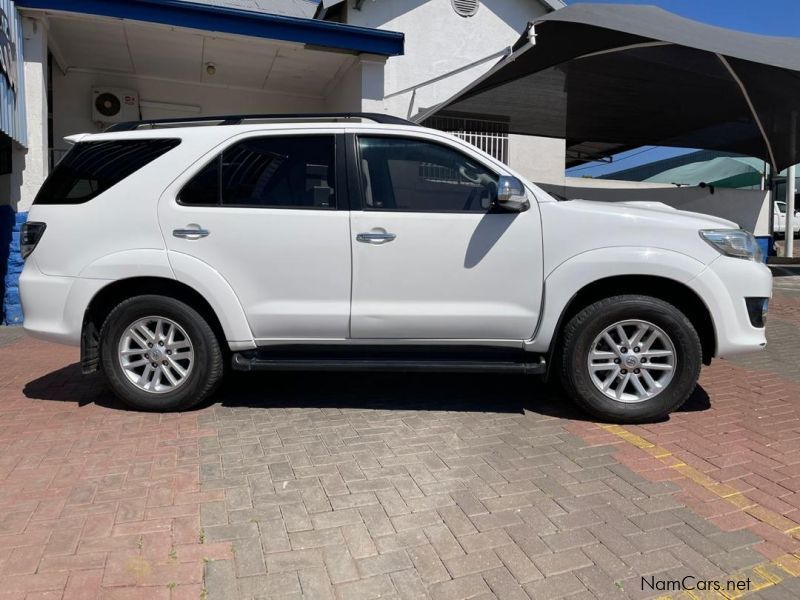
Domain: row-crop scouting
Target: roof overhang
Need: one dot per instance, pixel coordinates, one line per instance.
(608, 77)
(234, 21)
(325, 5)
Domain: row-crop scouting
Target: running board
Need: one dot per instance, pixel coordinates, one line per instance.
(244, 362)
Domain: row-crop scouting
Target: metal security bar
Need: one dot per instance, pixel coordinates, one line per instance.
(486, 134)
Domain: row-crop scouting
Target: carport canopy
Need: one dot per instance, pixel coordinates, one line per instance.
(610, 77)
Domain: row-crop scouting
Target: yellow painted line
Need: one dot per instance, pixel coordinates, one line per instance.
(790, 563)
(721, 490)
(762, 576)
(740, 501)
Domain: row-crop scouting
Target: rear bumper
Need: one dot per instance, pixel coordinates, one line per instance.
(54, 306)
(724, 286)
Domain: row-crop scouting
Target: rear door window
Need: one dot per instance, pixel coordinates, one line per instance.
(91, 168)
(268, 172)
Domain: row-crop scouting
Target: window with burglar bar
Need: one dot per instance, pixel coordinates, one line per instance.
(486, 134)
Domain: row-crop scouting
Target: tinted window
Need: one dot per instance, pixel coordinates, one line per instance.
(203, 188)
(273, 172)
(414, 175)
(91, 168)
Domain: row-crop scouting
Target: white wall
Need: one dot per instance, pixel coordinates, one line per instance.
(72, 95)
(345, 95)
(31, 165)
(540, 159)
(437, 42)
(615, 184)
(359, 86)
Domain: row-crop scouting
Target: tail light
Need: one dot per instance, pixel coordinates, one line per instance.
(29, 236)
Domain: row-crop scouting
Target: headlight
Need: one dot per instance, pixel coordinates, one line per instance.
(733, 242)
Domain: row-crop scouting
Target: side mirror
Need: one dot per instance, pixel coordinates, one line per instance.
(511, 194)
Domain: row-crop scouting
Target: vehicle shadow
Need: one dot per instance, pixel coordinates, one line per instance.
(67, 384)
(489, 393)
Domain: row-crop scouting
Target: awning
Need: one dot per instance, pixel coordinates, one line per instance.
(231, 20)
(609, 77)
(723, 171)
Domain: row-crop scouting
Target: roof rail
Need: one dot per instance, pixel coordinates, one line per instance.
(239, 119)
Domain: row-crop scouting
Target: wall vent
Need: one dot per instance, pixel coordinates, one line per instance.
(465, 8)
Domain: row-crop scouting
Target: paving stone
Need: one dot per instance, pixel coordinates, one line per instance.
(379, 586)
(435, 487)
(518, 563)
(220, 580)
(463, 587)
(235, 531)
(567, 540)
(294, 560)
(384, 563)
(557, 586)
(476, 562)
(248, 557)
(301, 540)
(561, 562)
(504, 585)
(358, 540)
(428, 564)
(340, 564)
(315, 583)
(408, 584)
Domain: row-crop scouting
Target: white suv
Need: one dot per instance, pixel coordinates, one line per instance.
(364, 242)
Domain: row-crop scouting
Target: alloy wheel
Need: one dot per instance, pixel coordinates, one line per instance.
(632, 361)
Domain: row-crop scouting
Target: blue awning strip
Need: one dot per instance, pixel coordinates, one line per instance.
(235, 21)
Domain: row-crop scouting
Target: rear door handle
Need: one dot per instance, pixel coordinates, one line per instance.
(191, 233)
(375, 238)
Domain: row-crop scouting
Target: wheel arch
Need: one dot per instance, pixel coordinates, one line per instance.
(676, 293)
(115, 292)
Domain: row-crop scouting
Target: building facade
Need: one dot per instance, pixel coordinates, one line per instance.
(78, 66)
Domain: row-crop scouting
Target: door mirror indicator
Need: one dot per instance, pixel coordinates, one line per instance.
(511, 194)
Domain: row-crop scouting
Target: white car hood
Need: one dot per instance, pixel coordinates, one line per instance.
(650, 209)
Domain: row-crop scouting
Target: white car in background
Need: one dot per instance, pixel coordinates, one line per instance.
(779, 219)
(329, 242)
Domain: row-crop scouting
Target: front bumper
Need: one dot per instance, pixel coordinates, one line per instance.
(54, 306)
(724, 286)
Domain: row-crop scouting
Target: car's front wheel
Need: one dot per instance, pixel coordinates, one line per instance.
(159, 353)
(630, 358)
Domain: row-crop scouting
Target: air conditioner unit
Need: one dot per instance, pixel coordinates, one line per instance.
(114, 105)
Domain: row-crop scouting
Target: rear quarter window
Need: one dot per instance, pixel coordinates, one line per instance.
(91, 168)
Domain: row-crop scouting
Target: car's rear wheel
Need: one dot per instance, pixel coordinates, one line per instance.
(630, 358)
(159, 353)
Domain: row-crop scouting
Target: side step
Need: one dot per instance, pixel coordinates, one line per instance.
(249, 361)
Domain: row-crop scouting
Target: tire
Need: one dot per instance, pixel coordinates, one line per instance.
(672, 332)
(201, 360)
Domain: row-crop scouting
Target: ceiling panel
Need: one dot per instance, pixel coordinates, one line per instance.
(92, 44)
(165, 52)
(178, 54)
(238, 62)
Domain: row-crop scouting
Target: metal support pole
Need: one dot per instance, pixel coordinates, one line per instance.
(789, 236)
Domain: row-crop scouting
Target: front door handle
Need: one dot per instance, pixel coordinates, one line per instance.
(191, 233)
(375, 237)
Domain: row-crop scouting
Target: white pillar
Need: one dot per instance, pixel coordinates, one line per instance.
(790, 189)
(372, 83)
(33, 165)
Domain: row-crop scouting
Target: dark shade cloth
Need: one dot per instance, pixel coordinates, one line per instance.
(609, 77)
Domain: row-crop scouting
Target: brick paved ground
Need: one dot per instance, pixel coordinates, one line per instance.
(366, 486)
